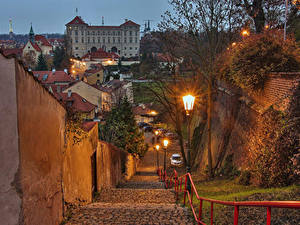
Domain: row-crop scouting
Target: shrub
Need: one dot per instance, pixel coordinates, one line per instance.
(249, 63)
(244, 178)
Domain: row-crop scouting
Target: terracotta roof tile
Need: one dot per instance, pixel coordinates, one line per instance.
(12, 51)
(79, 104)
(100, 54)
(87, 126)
(129, 23)
(77, 20)
(47, 77)
(42, 39)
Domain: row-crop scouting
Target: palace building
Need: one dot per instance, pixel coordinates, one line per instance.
(123, 40)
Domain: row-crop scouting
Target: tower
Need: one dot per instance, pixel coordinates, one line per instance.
(31, 34)
(11, 33)
(10, 26)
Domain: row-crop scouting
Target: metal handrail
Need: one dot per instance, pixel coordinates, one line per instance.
(178, 182)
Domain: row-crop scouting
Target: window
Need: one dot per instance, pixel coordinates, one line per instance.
(76, 39)
(119, 40)
(103, 40)
(114, 40)
(130, 48)
(82, 40)
(136, 48)
(103, 33)
(108, 33)
(124, 48)
(76, 48)
(130, 40)
(125, 32)
(93, 32)
(98, 40)
(130, 33)
(98, 32)
(136, 33)
(88, 33)
(136, 40)
(108, 40)
(125, 40)
(119, 33)
(93, 40)
(88, 40)
(113, 33)
(70, 32)
(82, 32)
(76, 32)
(98, 75)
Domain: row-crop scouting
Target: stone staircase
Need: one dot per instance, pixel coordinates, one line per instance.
(142, 200)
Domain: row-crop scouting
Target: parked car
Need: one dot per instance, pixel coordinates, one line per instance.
(176, 160)
(142, 124)
(171, 135)
(148, 128)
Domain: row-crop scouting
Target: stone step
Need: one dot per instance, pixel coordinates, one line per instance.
(142, 185)
(128, 195)
(128, 213)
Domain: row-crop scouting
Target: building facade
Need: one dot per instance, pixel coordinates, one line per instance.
(123, 40)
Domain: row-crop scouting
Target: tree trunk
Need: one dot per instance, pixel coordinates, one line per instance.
(209, 115)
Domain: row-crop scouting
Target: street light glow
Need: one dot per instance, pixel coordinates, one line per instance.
(153, 112)
(157, 147)
(188, 102)
(245, 33)
(166, 142)
(156, 132)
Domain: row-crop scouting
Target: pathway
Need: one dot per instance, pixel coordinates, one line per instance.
(142, 200)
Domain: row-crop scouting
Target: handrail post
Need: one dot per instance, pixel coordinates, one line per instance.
(200, 211)
(211, 213)
(236, 215)
(269, 216)
(185, 183)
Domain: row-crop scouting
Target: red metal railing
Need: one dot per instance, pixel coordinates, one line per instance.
(177, 182)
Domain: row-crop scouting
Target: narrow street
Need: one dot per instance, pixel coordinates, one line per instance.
(142, 200)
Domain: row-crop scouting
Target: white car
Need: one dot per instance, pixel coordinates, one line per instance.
(176, 160)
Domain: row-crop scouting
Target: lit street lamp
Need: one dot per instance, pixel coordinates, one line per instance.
(166, 142)
(188, 102)
(157, 148)
(245, 33)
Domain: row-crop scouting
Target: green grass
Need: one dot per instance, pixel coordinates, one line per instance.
(142, 94)
(229, 190)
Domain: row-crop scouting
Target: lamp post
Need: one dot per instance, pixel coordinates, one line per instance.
(157, 155)
(157, 148)
(188, 102)
(166, 142)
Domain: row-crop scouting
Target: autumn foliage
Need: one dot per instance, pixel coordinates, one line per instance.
(248, 63)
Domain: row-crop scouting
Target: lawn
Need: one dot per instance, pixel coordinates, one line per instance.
(229, 190)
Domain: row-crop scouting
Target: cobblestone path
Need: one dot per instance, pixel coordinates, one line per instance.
(142, 200)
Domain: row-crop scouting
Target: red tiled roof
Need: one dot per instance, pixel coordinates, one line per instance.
(108, 27)
(129, 23)
(139, 110)
(35, 46)
(79, 104)
(87, 126)
(42, 39)
(58, 76)
(101, 88)
(77, 20)
(12, 51)
(100, 54)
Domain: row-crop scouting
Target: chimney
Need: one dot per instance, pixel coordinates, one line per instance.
(53, 71)
(66, 71)
(69, 93)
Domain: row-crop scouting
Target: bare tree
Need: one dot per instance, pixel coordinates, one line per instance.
(206, 27)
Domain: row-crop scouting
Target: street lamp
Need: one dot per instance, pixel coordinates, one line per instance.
(245, 33)
(188, 102)
(166, 142)
(157, 158)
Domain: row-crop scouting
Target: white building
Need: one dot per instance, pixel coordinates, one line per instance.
(123, 40)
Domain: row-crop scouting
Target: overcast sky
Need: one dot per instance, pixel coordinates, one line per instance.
(50, 16)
